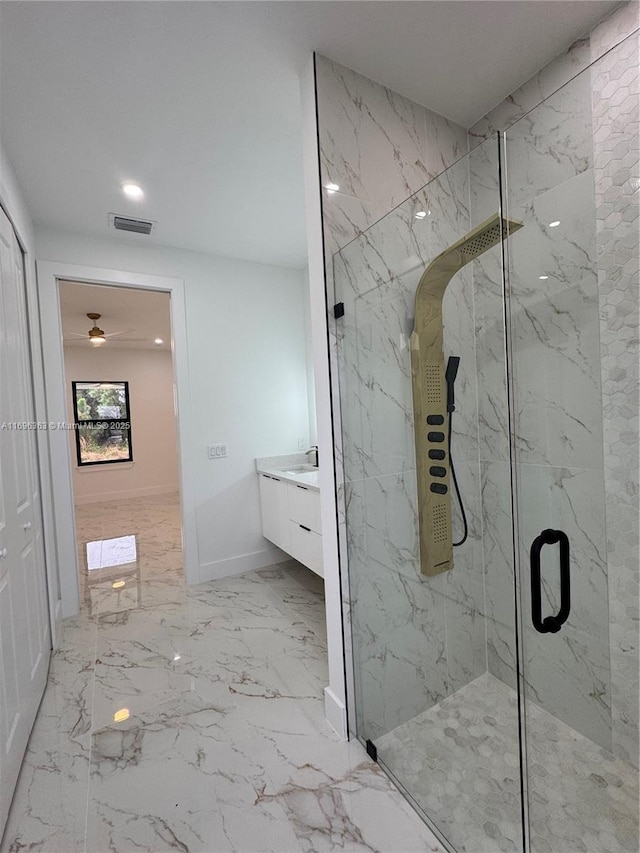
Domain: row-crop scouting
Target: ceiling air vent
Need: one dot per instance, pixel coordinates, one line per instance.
(126, 223)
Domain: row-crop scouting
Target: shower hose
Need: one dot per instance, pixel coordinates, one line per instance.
(457, 488)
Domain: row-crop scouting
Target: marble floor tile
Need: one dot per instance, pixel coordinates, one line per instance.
(192, 718)
(49, 806)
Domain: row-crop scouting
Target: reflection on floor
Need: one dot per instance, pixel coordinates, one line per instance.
(193, 719)
(460, 761)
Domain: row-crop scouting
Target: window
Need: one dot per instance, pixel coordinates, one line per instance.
(102, 422)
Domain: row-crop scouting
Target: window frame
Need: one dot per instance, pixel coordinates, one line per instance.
(109, 421)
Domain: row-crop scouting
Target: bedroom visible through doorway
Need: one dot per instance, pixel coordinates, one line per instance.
(123, 448)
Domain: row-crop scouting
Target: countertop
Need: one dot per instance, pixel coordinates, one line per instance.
(280, 467)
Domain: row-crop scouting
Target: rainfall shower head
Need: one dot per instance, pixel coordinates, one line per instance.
(433, 391)
(487, 235)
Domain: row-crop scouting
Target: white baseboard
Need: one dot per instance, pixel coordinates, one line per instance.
(240, 564)
(335, 713)
(125, 493)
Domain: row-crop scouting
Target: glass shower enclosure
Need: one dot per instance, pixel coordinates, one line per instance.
(487, 610)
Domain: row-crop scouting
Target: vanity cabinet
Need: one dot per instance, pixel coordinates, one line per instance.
(275, 515)
(291, 519)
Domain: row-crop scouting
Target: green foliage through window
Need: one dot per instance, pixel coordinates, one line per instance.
(102, 422)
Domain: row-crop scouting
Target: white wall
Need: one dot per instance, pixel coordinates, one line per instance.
(154, 469)
(245, 323)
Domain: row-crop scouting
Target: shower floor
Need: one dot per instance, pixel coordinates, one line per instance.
(460, 762)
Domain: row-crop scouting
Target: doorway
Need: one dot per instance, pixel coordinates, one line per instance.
(123, 451)
(74, 462)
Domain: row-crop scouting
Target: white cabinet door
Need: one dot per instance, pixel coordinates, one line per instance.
(273, 499)
(24, 618)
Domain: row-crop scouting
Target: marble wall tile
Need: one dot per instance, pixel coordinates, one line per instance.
(604, 36)
(464, 582)
(375, 276)
(491, 376)
(573, 500)
(555, 328)
(568, 673)
(399, 243)
(551, 144)
(493, 424)
(560, 423)
(376, 397)
(501, 651)
(550, 78)
(465, 631)
(616, 106)
(377, 146)
(571, 680)
(614, 29)
(416, 639)
(398, 620)
(497, 541)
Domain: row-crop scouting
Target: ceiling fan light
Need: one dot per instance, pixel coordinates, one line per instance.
(97, 340)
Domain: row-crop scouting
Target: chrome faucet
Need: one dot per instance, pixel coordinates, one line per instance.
(314, 449)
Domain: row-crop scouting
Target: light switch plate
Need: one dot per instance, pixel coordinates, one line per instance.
(217, 451)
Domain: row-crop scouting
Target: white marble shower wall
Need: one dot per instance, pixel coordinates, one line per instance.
(416, 639)
(575, 365)
(616, 98)
(379, 147)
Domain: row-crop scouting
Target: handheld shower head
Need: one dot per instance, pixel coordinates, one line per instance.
(450, 378)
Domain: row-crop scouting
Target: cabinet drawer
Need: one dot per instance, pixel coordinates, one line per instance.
(306, 547)
(304, 506)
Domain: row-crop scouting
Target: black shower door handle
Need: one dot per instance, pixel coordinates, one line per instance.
(550, 624)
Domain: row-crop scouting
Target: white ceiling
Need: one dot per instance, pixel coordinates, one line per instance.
(143, 314)
(199, 101)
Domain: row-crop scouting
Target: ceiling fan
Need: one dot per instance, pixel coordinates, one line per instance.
(97, 336)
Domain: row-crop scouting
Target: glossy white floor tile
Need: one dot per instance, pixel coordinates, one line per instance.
(221, 743)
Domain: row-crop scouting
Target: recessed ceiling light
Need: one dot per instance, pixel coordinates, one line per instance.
(331, 188)
(554, 224)
(543, 277)
(421, 214)
(158, 341)
(132, 190)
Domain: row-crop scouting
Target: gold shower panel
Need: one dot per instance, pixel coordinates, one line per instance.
(429, 393)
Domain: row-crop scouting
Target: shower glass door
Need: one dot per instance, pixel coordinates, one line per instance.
(572, 299)
(498, 684)
(435, 663)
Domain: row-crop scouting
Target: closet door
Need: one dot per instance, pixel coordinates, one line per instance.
(24, 621)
